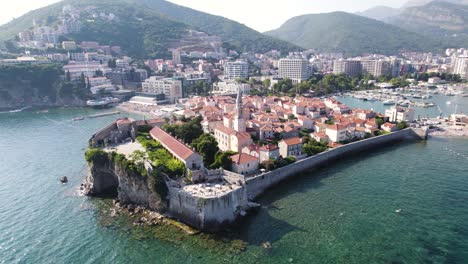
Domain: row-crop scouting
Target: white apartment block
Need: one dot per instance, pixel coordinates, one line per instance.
(124, 64)
(172, 89)
(460, 66)
(348, 67)
(398, 114)
(25, 36)
(46, 34)
(231, 88)
(295, 69)
(69, 45)
(87, 68)
(376, 67)
(236, 69)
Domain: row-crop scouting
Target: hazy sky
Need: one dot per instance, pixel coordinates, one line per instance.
(261, 15)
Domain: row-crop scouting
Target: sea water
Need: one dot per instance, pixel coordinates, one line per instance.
(344, 213)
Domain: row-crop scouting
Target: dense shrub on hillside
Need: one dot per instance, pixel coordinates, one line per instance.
(160, 157)
(39, 81)
(95, 155)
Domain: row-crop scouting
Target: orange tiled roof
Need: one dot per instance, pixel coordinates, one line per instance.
(270, 147)
(225, 130)
(336, 127)
(243, 158)
(390, 125)
(177, 148)
(292, 141)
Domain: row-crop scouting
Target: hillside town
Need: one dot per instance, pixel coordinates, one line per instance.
(262, 133)
(201, 66)
(234, 132)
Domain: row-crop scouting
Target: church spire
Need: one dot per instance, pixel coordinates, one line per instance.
(239, 104)
(239, 124)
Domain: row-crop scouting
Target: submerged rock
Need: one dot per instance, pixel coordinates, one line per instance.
(266, 245)
(63, 179)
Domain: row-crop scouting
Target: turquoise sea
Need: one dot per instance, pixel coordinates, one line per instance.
(343, 213)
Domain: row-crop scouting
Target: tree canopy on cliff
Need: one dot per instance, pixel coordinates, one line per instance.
(187, 132)
(207, 146)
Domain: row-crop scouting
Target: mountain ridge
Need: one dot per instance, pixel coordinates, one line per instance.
(437, 19)
(380, 12)
(414, 3)
(351, 34)
(149, 40)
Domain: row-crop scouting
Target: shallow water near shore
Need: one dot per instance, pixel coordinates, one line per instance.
(342, 213)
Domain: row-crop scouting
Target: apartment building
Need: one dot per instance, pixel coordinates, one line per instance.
(171, 88)
(236, 69)
(460, 66)
(295, 69)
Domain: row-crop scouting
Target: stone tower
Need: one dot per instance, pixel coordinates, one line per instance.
(239, 122)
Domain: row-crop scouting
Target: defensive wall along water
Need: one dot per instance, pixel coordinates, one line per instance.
(258, 184)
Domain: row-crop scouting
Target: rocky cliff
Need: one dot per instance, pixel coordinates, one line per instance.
(16, 100)
(441, 15)
(439, 20)
(110, 175)
(38, 85)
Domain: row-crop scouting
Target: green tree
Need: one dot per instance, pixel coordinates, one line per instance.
(379, 121)
(402, 125)
(268, 165)
(188, 131)
(223, 160)
(82, 81)
(68, 76)
(313, 147)
(399, 82)
(303, 87)
(207, 146)
(112, 63)
(98, 73)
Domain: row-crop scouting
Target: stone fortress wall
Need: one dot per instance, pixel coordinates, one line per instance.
(258, 184)
(213, 212)
(208, 214)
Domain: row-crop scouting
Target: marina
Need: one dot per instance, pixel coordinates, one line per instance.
(441, 101)
(414, 95)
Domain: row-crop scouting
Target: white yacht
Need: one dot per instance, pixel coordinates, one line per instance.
(108, 101)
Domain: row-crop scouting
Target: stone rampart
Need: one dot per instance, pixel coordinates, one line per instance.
(258, 184)
(208, 214)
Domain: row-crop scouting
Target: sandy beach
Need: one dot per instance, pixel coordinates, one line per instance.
(139, 109)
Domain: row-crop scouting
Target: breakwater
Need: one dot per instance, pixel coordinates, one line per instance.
(258, 184)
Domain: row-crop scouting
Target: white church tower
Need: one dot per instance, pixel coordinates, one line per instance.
(239, 122)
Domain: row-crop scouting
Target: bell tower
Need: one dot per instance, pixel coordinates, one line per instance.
(239, 122)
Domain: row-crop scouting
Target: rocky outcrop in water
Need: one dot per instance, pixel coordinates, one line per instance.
(109, 178)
